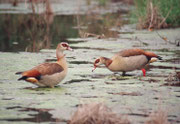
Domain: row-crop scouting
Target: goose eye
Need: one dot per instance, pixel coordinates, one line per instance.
(64, 45)
(97, 61)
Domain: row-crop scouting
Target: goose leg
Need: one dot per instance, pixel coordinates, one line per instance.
(144, 72)
(123, 73)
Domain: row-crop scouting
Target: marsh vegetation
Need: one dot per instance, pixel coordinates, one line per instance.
(29, 37)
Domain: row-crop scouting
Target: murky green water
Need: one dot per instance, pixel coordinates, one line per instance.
(136, 96)
(19, 31)
(24, 102)
(25, 30)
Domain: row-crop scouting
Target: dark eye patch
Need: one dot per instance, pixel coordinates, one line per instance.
(64, 45)
(97, 60)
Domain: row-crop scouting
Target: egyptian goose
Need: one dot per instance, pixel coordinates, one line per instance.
(128, 60)
(48, 74)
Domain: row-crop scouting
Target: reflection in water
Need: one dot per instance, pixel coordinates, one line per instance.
(22, 32)
(99, 26)
(32, 32)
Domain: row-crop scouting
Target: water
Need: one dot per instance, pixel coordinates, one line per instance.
(83, 86)
(135, 96)
(27, 27)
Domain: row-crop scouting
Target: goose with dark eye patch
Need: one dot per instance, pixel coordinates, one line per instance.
(48, 74)
(128, 60)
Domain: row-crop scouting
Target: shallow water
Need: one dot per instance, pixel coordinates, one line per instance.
(23, 29)
(135, 95)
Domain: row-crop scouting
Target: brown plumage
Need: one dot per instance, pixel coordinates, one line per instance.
(48, 74)
(135, 52)
(127, 60)
(44, 69)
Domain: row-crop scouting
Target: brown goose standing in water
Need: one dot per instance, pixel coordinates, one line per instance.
(128, 60)
(48, 74)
